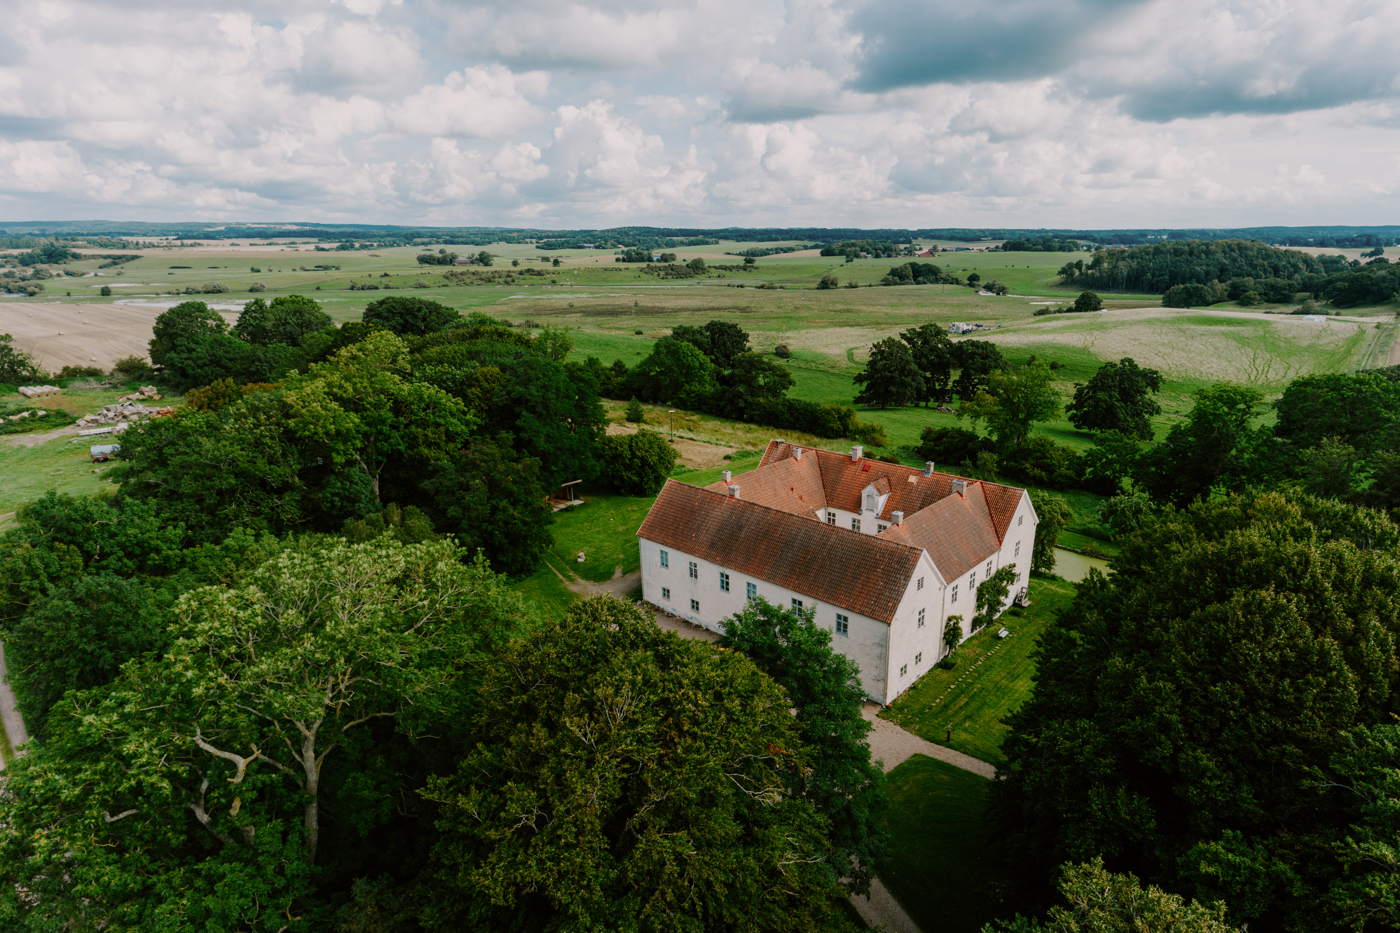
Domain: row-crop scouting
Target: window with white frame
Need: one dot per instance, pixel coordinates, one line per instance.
(919, 658)
(904, 670)
(694, 571)
(1018, 549)
(870, 502)
(750, 591)
(831, 518)
(880, 526)
(989, 569)
(724, 581)
(843, 624)
(972, 582)
(695, 605)
(920, 584)
(855, 524)
(796, 604)
(954, 597)
(1019, 519)
(921, 618)
(665, 559)
(665, 592)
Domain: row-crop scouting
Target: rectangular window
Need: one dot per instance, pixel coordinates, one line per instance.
(750, 591)
(665, 559)
(724, 581)
(921, 584)
(904, 670)
(695, 605)
(1018, 549)
(843, 624)
(972, 582)
(919, 658)
(665, 592)
(880, 528)
(921, 618)
(831, 518)
(694, 571)
(955, 593)
(796, 604)
(855, 524)
(1019, 519)
(989, 569)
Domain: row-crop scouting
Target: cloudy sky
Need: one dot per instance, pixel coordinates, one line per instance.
(559, 113)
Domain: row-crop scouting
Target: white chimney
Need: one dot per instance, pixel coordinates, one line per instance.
(898, 518)
(856, 452)
(734, 492)
(928, 467)
(960, 485)
(797, 453)
(727, 474)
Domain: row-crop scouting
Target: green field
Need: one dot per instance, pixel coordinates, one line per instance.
(991, 680)
(940, 867)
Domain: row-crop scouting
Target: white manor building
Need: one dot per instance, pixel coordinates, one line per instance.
(882, 552)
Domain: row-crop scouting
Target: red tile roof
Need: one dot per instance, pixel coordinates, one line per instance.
(956, 532)
(844, 479)
(863, 573)
(789, 486)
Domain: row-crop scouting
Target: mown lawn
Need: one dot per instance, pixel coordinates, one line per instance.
(940, 864)
(975, 697)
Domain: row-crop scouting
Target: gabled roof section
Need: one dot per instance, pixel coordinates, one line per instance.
(863, 573)
(792, 485)
(956, 531)
(844, 479)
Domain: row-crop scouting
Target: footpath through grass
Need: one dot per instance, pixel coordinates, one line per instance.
(991, 680)
(939, 866)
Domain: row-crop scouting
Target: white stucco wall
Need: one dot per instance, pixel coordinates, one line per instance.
(867, 642)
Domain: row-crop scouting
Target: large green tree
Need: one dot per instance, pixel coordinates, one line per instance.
(843, 784)
(933, 354)
(628, 779)
(637, 464)
(670, 368)
(188, 793)
(1185, 706)
(1202, 452)
(186, 323)
(976, 361)
(492, 498)
(408, 316)
(891, 377)
(1118, 397)
(286, 320)
(1013, 401)
(555, 416)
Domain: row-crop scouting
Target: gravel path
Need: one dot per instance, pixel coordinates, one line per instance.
(894, 746)
(9, 712)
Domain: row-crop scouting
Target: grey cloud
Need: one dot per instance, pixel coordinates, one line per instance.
(908, 45)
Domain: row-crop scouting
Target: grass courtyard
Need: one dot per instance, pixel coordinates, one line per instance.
(992, 678)
(940, 865)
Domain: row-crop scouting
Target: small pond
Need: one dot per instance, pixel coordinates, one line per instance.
(1075, 567)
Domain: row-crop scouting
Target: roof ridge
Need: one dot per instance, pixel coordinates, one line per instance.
(769, 508)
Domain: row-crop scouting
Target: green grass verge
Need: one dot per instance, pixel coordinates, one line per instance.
(991, 680)
(940, 863)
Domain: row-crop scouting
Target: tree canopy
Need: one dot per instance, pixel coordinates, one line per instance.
(1188, 707)
(629, 779)
(1014, 400)
(1118, 397)
(408, 316)
(891, 377)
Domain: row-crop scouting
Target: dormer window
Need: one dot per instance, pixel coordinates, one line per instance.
(870, 501)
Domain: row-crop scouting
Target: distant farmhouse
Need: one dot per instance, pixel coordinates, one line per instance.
(883, 553)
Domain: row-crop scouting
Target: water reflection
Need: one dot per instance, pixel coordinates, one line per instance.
(1075, 567)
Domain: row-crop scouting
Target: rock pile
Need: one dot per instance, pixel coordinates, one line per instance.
(141, 395)
(122, 411)
(37, 391)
